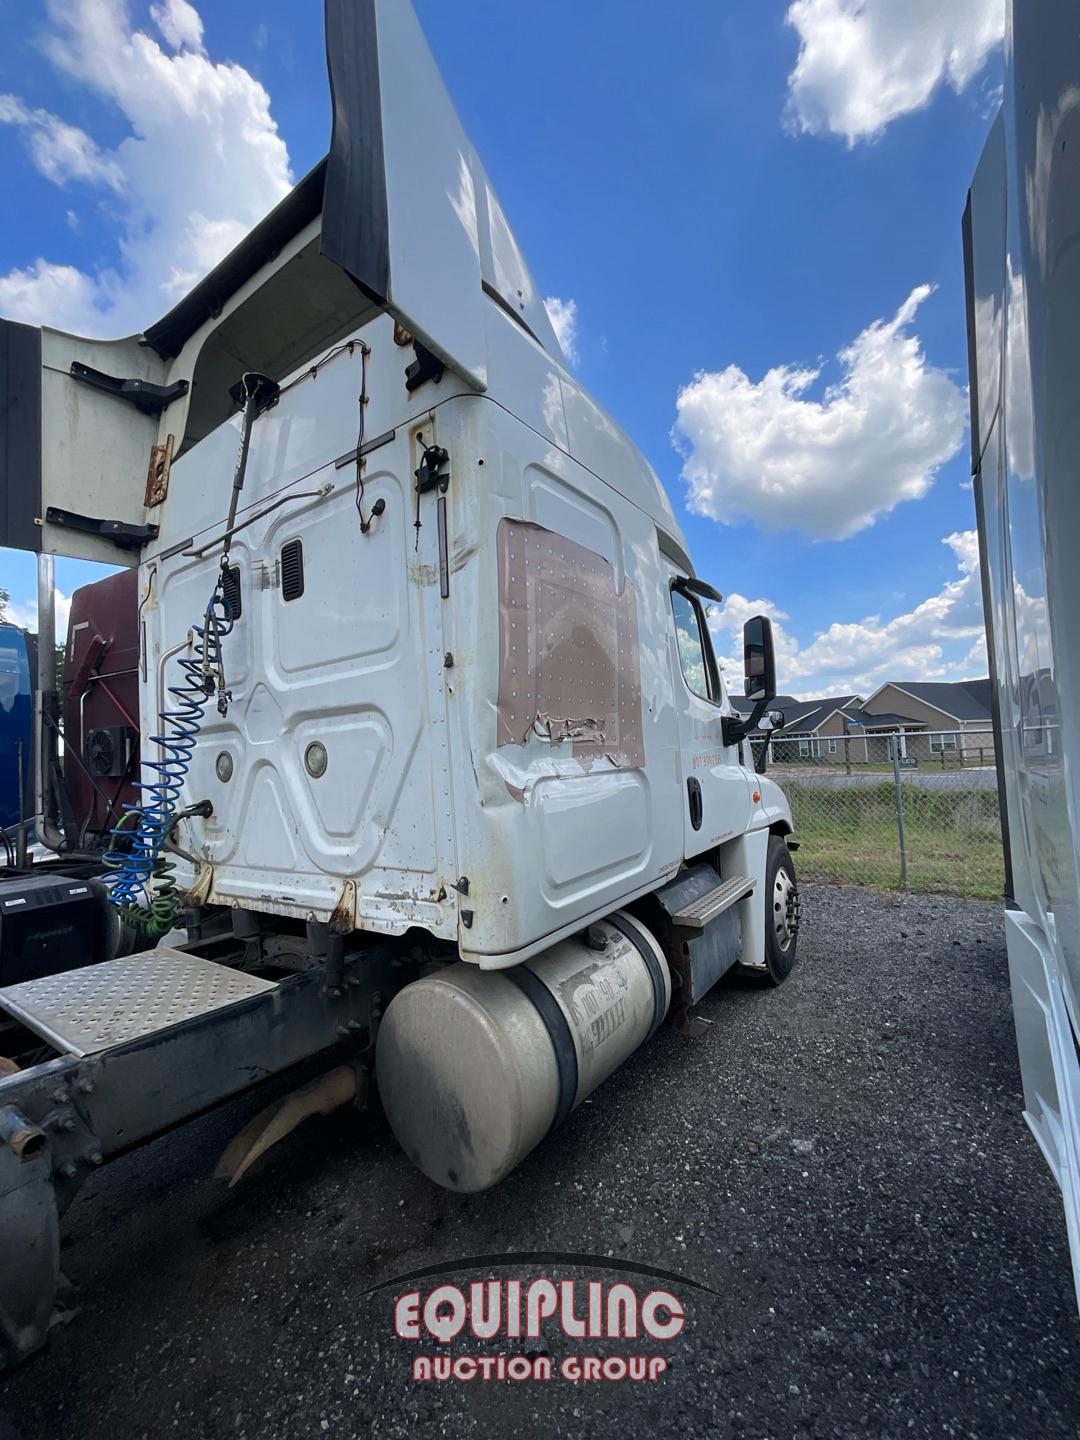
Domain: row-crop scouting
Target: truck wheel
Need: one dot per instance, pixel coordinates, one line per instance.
(781, 911)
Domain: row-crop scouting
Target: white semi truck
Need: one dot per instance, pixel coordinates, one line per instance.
(441, 778)
(1022, 253)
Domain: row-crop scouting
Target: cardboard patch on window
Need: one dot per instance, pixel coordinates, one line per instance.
(569, 666)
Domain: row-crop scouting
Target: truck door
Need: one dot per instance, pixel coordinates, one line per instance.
(716, 789)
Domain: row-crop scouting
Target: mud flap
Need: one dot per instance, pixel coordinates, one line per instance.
(339, 1087)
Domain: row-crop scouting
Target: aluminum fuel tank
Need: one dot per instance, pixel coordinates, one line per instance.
(476, 1066)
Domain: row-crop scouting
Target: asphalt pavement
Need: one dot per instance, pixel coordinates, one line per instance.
(841, 1163)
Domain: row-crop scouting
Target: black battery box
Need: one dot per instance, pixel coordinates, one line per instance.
(50, 923)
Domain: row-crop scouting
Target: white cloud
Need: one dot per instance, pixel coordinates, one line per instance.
(49, 294)
(564, 318)
(24, 613)
(766, 452)
(60, 151)
(940, 639)
(965, 546)
(864, 63)
(203, 162)
(180, 23)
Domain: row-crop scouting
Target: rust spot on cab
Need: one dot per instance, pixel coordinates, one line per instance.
(157, 476)
(343, 919)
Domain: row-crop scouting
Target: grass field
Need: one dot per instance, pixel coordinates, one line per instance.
(849, 836)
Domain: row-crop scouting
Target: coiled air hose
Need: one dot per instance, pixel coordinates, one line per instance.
(142, 889)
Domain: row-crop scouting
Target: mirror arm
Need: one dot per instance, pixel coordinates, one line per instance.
(736, 729)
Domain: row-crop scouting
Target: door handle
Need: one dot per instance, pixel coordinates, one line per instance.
(693, 787)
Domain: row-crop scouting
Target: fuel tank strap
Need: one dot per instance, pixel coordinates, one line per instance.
(651, 964)
(558, 1028)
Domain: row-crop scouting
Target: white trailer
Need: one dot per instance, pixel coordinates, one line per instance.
(1022, 253)
(446, 772)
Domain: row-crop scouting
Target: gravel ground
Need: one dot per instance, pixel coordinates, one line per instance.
(841, 1161)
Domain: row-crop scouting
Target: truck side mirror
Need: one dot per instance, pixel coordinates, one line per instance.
(759, 660)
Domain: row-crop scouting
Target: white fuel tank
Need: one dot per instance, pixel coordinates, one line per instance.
(476, 1066)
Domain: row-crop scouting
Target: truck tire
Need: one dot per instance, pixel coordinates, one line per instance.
(781, 911)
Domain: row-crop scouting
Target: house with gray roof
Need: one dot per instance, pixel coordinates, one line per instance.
(954, 716)
(934, 720)
(812, 730)
(951, 701)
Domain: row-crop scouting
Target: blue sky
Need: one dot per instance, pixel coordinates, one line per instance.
(750, 209)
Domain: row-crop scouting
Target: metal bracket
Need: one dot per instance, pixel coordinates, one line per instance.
(122, 535)
(425, 367)
(434, 470)
(735, 728)
(148, 398)
(260, 389)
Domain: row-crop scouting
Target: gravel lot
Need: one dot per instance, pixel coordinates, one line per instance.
(842, 1161)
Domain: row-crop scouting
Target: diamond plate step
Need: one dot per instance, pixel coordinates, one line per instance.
(82, 1012)
(697, 915)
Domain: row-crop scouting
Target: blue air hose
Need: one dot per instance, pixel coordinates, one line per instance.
(141, 887)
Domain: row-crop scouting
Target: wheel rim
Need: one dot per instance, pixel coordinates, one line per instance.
(785, 908)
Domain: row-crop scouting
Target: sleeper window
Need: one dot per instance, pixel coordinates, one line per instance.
(692, 654)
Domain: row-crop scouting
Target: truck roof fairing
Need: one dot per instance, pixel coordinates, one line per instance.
(399, 218)
(407, 209)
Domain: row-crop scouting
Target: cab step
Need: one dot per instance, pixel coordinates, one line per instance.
(84, 1012)
(699, 913)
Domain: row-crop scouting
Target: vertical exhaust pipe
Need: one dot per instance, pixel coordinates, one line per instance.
(46, 703)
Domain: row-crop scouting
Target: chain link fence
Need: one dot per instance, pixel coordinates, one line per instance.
(917, 811)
